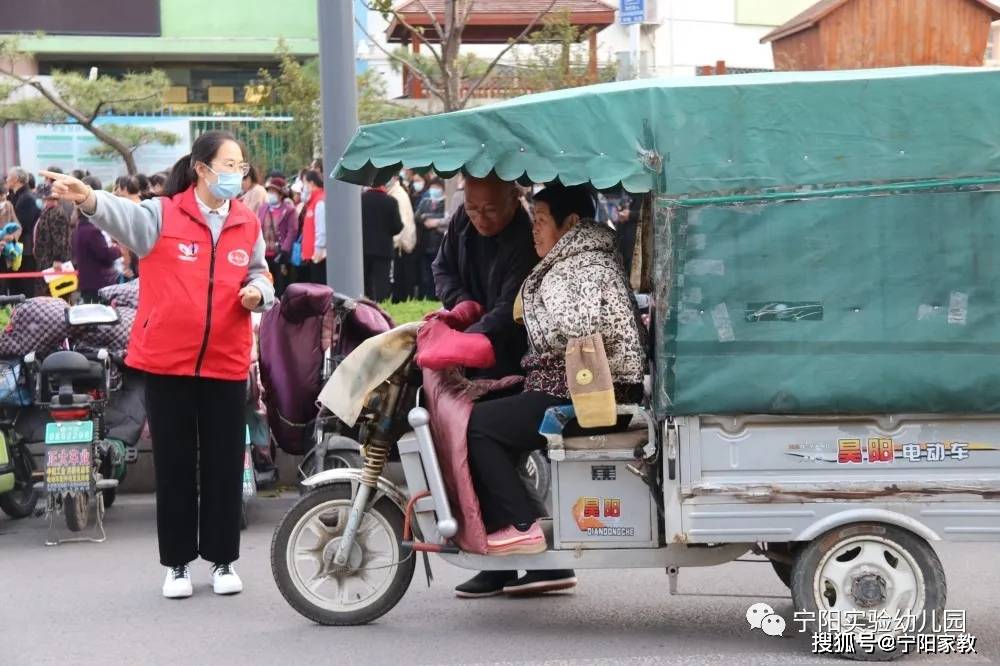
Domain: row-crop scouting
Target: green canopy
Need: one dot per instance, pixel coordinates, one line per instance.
(711, 134)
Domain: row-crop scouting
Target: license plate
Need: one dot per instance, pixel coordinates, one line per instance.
(69, 432)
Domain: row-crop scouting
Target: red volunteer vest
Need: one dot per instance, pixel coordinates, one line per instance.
(190, 320)
(309, 224)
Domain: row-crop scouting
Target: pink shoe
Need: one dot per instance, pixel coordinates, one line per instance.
(511, 541)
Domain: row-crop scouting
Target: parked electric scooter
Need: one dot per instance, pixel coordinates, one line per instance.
(18, 495)
(82, 466)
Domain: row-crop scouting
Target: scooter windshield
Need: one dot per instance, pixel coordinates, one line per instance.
(364, 370)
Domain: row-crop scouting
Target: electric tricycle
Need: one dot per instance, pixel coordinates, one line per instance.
(821, 261)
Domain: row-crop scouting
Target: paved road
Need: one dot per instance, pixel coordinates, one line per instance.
(91, 603)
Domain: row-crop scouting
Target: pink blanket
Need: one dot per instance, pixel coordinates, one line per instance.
(450, 399)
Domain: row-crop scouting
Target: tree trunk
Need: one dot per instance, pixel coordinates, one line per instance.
(117, 145)
(453, 27)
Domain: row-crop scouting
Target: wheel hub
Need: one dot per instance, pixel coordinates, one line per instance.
(354, 558)
(868, 590)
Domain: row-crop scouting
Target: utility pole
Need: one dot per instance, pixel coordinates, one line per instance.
(344, 269)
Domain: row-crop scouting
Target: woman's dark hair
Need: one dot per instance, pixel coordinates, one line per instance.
(314, 177)
(78, 173)
(93, 182)
(128, 184)
(157, 179)
(31, 181)
(204, 150)
(432, 181)
(564, 201)
(143, 182)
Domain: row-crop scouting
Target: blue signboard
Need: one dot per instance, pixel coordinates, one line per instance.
(631, 11)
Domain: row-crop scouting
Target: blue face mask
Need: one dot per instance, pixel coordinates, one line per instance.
(227, 185)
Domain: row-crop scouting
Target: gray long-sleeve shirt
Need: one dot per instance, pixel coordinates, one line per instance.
(137, 227)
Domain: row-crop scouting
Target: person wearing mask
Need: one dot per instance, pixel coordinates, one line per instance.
(431, 225)
(203, 272)
(485, 256)
(254, 193)
(405, 266)
(26, 210)
(417, 190)
(280, 225)
(380, 222)
(313, 228)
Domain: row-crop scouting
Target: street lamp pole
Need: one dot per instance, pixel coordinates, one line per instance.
(338, 83)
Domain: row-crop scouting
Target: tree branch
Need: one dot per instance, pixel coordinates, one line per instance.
(468, 13)
(417, 34)
(111, 102)
(426, 80)
(437, 26)
(496, 60)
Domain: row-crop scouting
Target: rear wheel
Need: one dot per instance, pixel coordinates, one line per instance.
(369, 585)
(21, 500)
(869, 570)
(76, 507)
(537, 474)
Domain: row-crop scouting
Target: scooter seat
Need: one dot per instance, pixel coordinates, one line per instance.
(71, 365)
(68, 363)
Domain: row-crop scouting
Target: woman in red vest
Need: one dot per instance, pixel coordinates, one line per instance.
(313, 228)
(202, 267)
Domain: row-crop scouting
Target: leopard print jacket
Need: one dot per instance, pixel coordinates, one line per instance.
(579, 288)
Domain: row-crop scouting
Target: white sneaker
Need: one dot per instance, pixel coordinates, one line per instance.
(225, 580)
(177, 584)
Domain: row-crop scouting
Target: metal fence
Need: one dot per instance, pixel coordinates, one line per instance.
(259, 129)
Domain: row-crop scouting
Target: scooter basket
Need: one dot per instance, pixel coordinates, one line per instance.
(14, 389)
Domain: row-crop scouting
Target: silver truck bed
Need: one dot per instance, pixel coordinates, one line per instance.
(791, 478)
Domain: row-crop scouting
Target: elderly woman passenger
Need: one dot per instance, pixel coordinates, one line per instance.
(577, 289)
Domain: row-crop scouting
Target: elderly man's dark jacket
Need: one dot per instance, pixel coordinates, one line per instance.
(490, 271)
(27, 214)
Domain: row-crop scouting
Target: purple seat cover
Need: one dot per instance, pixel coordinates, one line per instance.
(291, 363)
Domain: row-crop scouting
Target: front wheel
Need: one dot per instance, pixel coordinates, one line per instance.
(369, 585)
(867, 571)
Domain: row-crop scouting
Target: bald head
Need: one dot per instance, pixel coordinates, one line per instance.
(490, 204)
